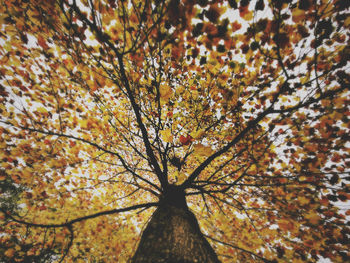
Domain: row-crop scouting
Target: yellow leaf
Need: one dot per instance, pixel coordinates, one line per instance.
(165, 92)
(197, 134)
(74, 251)
(27, 172)
(248, 16)
(180, 177)
(298, 15)
(201, 149)
(296, 260)
(302, 200)
(41, 110)
(252, 169)
(313, 218)
(166, 135)
(347, 21)
(83, 123)
(10, 252)
(302, 178)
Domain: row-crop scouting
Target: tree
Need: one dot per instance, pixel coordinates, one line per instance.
(174, 131)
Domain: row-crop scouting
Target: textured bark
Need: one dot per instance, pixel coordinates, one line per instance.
(173, 235)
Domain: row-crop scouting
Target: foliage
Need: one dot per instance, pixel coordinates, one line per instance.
(245, 104)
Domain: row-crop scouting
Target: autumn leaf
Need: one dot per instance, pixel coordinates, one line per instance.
(42, 42)
(185, 140)
(302, 200)
(197, 134)
(165, 92)
(202, 150)
(313, 218)
(42, 110)
(166, 135)
(245, 13)
(10, 252)
(298, 15)
(236, 26)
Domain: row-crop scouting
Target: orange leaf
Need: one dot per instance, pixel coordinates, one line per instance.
(236, 26)
(42, 42)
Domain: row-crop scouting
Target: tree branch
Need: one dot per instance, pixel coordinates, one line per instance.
(73, 221)
(124, 164)
(253, 123)
(239, 248)
(152, 158)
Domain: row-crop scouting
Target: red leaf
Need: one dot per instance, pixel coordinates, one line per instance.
(185, 140)
(236, 26)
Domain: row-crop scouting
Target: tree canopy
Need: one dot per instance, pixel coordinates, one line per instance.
(243, 104)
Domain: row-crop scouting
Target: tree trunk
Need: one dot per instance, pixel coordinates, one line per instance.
(173, 235)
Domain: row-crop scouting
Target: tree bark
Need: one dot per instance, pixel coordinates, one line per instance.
(173, 235)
